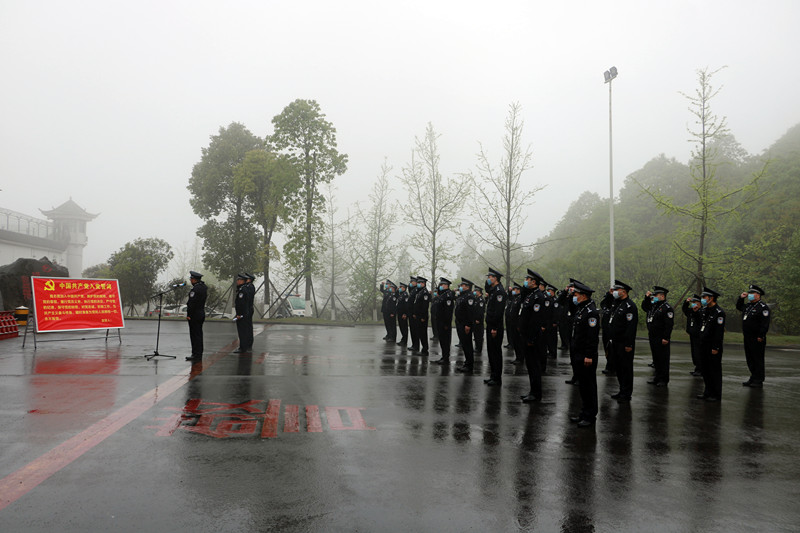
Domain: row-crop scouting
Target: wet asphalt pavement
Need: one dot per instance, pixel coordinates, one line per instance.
(331, 429)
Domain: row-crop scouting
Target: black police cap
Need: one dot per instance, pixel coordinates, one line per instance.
(195, 275)
(242, 276)
(465, 281)
(709, 292)
(445, 281)
(621, 285)
(534, 275)
(657, 289)
(517, 285)
(420, 279)
(404, 285)
(583, 289)
(756, 288)
(495, 273)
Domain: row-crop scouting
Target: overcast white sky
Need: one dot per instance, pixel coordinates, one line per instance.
(111, 102)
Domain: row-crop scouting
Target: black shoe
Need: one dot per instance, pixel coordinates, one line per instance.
(701, 396)
(195, 358)
(458, 345)
(466, 369)
(585, 423)
(624, 399)
(518, 361)
(385, 337)
(572, 381)
(575, 419)
(747, 383)
(661, 384)
(506, 346)
(414, 348)
(652, 382)
(493, 382)
(651, 365)
(239, 350)
(424, 352)
(615, 396)
(530, 399)
(756, 385)
(696, 373)
(712, 399)
(434, 338)
(441, 361)
(609, 373)
(401, 344)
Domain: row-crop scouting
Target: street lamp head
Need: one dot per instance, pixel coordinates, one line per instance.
(610, 74)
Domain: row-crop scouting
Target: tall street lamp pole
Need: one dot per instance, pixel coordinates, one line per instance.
(609, 75)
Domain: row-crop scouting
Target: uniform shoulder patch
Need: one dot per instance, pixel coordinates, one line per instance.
(670, 314)
(241, 295)
(191, 293)
(425, 297)
(547, 303)
(555, 304)
(766, 312)
(536, 308)
(592, 322)
(721, 320)
(499, 297)
(449, 302)
(470, 301)
(629, 316)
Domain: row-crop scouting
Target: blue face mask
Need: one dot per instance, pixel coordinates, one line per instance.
(751, 297)
(654, 299)
(413, 285)
(402, 289)
(615, 294)
(704, 302)
(441, 287)
(525, 283)
(575, 300)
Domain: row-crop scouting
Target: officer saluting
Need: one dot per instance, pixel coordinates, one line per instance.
(466, 313)
(691, 308)
(412, 321)
(622, 327)
(444, 319)
(712, 334)
(755, 325)
(585, 338)
(420, 310)
(660, 320)
(196, 314)
(495, 305)
(403, 313)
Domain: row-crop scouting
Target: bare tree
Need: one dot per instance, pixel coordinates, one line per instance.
(500, 199)
(370, 249)
(433, 204)
(333, 254)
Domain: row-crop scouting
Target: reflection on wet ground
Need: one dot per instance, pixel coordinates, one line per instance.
(328, 429)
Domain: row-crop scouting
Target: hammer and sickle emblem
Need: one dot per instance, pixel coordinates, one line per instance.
(49, 285)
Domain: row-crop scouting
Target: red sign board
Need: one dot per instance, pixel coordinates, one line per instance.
(65, 304)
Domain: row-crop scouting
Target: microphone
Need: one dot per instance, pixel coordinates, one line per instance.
(181, 284)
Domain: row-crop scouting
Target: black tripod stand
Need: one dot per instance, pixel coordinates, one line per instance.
(158, 331)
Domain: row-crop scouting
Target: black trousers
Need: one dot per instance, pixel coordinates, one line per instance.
(196, 335)
(754, 353)
(694, 343)
(465, 339)
(434, 325)
(391, 326)
(624, 361)
(712, 371)
(660, 359)
(587, 383)
(533, 362)
(445, 334)
(403, 324)
(541, 347)
(477, 332)
(494, 347)
(422, 333)
(244, 327)
(552, 341)
(413, 330)
(611, 362)
(515, 340)
(565, 331)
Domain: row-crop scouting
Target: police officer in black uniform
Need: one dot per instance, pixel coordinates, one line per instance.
(444, 318)
(480, 315)
(755, 325)
(567, 296)
(660, 321)
(712, 335)
(552, 327)
(495, 306)
(548, 318)
(412, 323)
(466, 313)
(585, 337)
(243, 305)
(390, 319)
(692, 309)
(606, 306)
(622, 326)
(434, 313)
(196, 314)
(564, 300)
(532, 324)
(420, 310)
(513, 305)
(403, 313)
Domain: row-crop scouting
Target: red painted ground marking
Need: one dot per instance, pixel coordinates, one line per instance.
(17, 484)
(291, 419)
(313, 421)
(357, 421)
(224, 425)
(270, 428)
(261, 358)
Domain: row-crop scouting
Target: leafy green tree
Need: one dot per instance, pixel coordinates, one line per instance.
(136, 266)
(99, 271)
(713, 201)
(230, 241)
(265, 181)
(308, 140)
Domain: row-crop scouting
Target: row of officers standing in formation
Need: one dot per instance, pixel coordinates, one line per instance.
(535, 314)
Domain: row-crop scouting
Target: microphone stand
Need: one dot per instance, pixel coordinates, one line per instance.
(160, 295)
